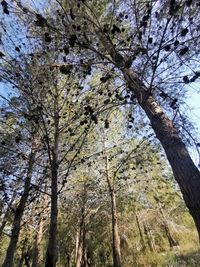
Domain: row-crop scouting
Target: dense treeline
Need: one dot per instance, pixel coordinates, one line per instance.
(92, 98)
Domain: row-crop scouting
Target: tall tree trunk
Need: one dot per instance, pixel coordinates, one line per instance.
(38, 239)
(115, 230)
(81, 236)
(8, 262)
(37, 256)
(80, 255)
(51, 253)
(76, 245)
(185, 172)
(115, 233)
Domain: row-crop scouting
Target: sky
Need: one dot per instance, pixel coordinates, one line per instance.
(193, 96)
(193, 102)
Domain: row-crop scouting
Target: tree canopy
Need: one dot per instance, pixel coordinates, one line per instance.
(95, 132)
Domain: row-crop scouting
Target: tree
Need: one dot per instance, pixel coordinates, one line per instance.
(81, 60)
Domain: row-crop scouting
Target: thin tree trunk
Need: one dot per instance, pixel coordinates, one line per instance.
(185, 172)
(80, 245)
(81, 238)
(115, 229)
(6, 215)
(38, 239)
(150, 238)
(141, 234)
(4, 221)
(8, 262)
(37, 257)
(115, 233)
(76, 245)
(68, 258)
(51, 253)
(171, 240)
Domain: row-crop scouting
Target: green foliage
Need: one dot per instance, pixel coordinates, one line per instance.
(65, 87)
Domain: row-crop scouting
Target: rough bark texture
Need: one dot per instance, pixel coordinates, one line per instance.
(185, 172)
(8, 262)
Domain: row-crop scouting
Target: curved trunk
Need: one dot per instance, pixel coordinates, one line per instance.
(8, 262)
(185, 172)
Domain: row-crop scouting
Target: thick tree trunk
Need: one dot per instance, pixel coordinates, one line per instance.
(185, 172)
(8, 262)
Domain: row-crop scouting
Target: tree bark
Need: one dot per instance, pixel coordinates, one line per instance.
(80, 258)
(8, 262)
(80, 253)
(38, 239)
(115, 230)
(115, 233)
(35, 259)
(185, 172)
(51, 253)
(37, 256)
